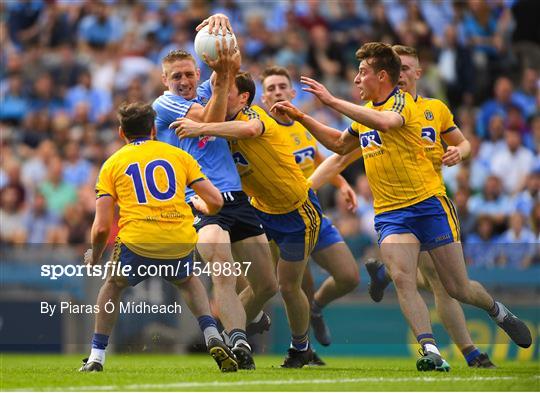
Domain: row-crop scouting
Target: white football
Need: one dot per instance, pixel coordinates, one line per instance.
(206, 43)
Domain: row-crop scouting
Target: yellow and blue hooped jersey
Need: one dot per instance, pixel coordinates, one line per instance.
(397, 168)
(267, 167)
(147, 179)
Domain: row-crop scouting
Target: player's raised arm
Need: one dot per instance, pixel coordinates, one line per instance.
(333, 166)
(216, 108)
(208, 199)
(378, 120)
(335, 140)
(101, 229)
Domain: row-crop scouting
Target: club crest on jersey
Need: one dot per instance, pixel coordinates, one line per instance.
(370, 138)
(302, 155)
(428, 134)
(428, 114)
(203, 140)
(239, 159)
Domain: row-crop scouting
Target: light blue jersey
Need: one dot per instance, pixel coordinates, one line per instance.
(212, 153)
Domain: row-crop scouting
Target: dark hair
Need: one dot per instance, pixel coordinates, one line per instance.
(244, 83)
(381, 57)
(178, 54)
(275, 70)
(403, 50)
(136, 119)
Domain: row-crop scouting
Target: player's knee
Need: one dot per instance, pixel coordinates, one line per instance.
(289, 289)
(457, 292)
(348, 282)
(266, 290)
(116, 284)
(224, 281)
(403, 281)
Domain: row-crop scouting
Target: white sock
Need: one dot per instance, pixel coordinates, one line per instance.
(431, 348)
(97, 355)
(501, 314)
(258, 317)
(243, 342)
(211, 332)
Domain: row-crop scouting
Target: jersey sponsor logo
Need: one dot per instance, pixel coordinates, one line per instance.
(428, 114)
(428, 134)
(239, 159)
(370, 138)
(203, 140)
(300, 156)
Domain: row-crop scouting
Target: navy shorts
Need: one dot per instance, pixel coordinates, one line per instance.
(433, 221)
(296, 232)
(169, 269)
(237, 217)
(328, 235)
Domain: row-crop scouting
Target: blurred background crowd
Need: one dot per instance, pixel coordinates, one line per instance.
(67, 64)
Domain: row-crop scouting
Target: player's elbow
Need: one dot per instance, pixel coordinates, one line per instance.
(101, 231)
(252, 130)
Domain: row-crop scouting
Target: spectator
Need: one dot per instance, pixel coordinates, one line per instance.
(14, 102)
(98, 100)
(77, 170)
(525, 97)
(480, 248)
(513, 163)
(57, 192)
(525, 200)
(492, 201)
(12, 230)
(100, 28)
(496, 106)
(40, 225)
(532, 139)
(495, 141)
(517, 244)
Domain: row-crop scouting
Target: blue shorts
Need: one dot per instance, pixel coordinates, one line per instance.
(296, 232)
(328, 235)
(433, 221)
(175, 269)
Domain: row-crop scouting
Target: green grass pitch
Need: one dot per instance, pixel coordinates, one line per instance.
(147, 372)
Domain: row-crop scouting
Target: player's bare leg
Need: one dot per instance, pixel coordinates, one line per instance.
(214, 246)
(260, 275)
(337, 260)
(451, 314)
(290, 276)
(400, 255)
(344, 275)
(450, 265)
(194, 294)
(108, 297)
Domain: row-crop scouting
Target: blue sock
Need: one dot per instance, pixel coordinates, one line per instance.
(238, 336)
(206, 321)
(469, 357)
(381, 274)
(300, 343)
(100, 341)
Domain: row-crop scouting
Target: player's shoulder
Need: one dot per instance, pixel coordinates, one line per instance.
(254, 112)
(171, 102)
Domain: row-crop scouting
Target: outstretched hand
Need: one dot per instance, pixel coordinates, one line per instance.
(216, 23)
(317, 89)
(286, 108)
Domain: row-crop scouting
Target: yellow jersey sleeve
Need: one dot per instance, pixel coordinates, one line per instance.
(192, 168)
(105, 181)
(447, 119)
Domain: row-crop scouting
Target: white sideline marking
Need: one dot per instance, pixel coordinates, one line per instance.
(280, 382)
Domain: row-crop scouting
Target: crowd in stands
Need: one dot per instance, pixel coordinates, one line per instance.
(66, 65)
